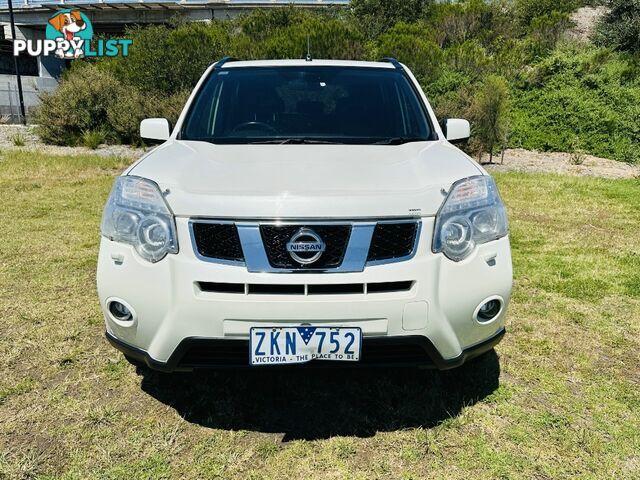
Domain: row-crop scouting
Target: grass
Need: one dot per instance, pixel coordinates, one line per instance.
(18, 140)
(93, 138)
(560, 399)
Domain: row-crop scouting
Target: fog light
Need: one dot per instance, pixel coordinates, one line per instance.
(489, 310)
(120, 311)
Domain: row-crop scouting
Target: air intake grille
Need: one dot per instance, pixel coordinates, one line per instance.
(218, 240)
(209, 353)
(276, 237)
(392, 240)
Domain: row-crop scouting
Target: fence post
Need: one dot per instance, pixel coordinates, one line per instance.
(10, 101)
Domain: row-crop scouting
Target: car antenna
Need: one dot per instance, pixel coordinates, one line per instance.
(309, 58)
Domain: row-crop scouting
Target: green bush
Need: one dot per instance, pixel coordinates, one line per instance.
(620, 27)
(18, 140)
(169, 60)
(490, 115)
(126, 113)
(573, 95)
(526, 11)
(93, 138)
(79, 104)
(468, 58)
(283, 32)
(92, 106)
(546, 30)
(454, 103)
(410, 44)
(374, 17)
(459, 22)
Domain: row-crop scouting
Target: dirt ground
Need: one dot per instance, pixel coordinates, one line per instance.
(585, 20)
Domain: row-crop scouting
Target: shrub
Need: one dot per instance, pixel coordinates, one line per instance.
(546, 30)
(620, 27)
(489, 112)
(91, 106)
(468, 58)
(527, 10)
(455, 23)
(410, 44)
(126, 113)
(263, 23)
(454, 103)
(169, 60)
(284, 35)
(79, 104)
(18, 140)
(93, 138)
(374, 17)
(573, 94)
(577, 155)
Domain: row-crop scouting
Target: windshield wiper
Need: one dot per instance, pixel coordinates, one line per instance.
(294, 141)
(399, 140)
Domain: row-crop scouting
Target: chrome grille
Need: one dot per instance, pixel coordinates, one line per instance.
(276, 237)
(264, 246)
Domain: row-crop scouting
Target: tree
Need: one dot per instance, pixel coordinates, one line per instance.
(490, 115)
(620, 27)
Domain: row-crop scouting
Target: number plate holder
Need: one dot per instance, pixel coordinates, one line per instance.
(291, 345)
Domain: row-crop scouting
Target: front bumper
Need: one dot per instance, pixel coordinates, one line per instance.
(407, 351)
(430, 324)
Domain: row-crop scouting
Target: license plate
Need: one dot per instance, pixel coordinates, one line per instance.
(285, 345)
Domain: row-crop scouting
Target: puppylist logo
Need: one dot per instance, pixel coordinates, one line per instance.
(69, 35)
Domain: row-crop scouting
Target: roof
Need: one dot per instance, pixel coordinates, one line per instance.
(304, 63)
(26, 5)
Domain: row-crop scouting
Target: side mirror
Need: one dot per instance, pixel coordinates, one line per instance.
(456, 130)
(155, 129)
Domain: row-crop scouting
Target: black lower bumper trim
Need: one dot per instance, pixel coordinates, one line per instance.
(409, 351)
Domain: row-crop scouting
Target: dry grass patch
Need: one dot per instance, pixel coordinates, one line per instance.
(559, 400)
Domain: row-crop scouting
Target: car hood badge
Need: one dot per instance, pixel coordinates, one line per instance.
(306, 246)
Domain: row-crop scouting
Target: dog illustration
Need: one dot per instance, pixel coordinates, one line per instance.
(68, 24)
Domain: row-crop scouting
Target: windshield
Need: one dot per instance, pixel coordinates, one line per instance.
(307, 105)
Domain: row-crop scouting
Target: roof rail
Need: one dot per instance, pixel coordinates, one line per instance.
(220, 63)
(393, 62)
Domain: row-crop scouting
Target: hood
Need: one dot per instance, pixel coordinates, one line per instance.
(305, 181)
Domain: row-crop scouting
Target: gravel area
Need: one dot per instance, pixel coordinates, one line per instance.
(517, 159)
(8, 134)
(585, 20)
(563, 163)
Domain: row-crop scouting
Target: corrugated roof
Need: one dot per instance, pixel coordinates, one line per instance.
(23, 5)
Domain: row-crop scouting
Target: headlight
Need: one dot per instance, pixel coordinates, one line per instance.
(472, 214)
(136, 213)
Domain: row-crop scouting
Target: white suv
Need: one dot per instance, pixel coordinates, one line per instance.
(304, 211)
